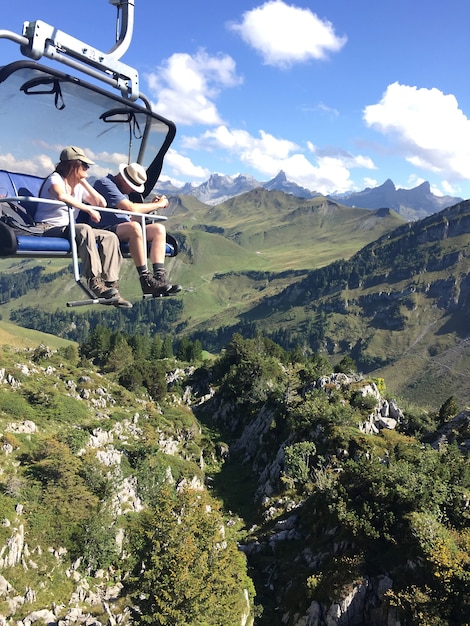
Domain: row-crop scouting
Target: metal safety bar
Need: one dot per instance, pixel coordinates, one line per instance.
(73, 244)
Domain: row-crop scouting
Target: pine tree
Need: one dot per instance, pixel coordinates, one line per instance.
(190, 574)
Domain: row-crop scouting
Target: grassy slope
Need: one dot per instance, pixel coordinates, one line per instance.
(429, 355)
(264, 232)
(15, 336)
(287, 232)
(256, 232)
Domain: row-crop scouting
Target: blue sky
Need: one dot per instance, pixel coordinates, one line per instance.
(341, 95)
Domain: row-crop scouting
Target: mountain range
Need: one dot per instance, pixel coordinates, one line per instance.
(412, 204)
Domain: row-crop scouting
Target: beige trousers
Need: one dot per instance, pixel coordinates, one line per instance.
(98, 250)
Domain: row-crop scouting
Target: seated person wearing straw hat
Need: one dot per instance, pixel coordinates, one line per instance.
(116, 189)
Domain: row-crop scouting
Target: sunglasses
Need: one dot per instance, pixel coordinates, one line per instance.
(84, 165)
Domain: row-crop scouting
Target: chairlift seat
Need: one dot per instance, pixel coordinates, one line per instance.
(34, 244)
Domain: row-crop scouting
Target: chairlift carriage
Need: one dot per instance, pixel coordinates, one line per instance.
(40, 104)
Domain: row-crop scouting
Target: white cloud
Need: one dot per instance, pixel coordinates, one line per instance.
(267, 155)
(185, 86)
(427, 126)
(41, 165)
(240, 142)
(182, 167)
(370, 182)
(452, 190)
(331, 112)
(285, 34)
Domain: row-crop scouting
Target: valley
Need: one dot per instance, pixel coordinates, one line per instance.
(309, 273)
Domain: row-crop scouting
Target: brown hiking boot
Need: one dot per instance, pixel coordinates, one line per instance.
(160, 276)
(97, 286)
(120, 302)
(153, 285)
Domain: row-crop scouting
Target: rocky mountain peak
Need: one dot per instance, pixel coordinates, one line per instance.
(412, 204)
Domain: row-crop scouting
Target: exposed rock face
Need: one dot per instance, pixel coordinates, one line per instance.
(456, 430)
(28, 427)
(11, 553)
(359, 602)
(358, 606)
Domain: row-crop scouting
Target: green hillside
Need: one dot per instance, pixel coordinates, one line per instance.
(13, 335)
(310, 274)
(138, 487)
(399, 306)
(287, 232)
(269, 237)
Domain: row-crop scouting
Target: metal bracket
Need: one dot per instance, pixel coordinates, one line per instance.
(55, 44)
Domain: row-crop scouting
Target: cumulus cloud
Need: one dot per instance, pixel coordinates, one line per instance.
(185, 86)
(285, 34)
(427, 126)
(182, 167)
(325, 172)
(370, 182)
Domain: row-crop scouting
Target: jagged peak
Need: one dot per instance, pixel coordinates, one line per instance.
(411, 203)
(388, 184)
(280, 176)
(425, 186)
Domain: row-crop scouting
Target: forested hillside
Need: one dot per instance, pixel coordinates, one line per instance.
(142, 484)
(297, 272)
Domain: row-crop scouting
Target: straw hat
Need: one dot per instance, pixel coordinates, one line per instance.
(134, 175)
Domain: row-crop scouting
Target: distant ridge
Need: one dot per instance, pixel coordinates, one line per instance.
(412, 204)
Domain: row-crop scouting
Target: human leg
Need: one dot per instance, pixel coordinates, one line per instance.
(131, 232)
(156, 235)
(88, 254)
(157, 284)
(106, 248)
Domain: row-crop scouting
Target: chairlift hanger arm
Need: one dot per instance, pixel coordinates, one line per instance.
(40, 39)
(57, 45)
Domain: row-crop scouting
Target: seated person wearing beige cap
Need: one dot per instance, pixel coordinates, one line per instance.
(98, 249)
(116, 189)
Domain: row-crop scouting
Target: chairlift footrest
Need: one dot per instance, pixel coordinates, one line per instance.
(86, 302)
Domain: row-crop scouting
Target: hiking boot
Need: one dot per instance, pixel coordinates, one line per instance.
(99, 289)
(173, 289)
(120, 302)
(154, 285)
(160, 277)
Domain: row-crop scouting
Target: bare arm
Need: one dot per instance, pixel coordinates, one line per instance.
(91, 195)
(159, 202)
(62, 195)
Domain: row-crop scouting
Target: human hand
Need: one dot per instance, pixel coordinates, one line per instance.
(161, 201)
(94, 215)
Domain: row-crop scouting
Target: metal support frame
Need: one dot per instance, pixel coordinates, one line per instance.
(40, 39)
(92, 299)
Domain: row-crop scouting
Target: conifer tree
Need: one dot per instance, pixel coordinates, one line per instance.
(190, 574)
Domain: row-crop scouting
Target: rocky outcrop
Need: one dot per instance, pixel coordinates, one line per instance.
(361, 604)
(454, 431)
